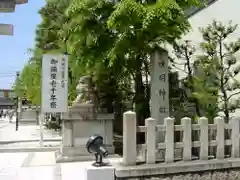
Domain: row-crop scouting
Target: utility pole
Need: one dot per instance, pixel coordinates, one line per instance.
(17, 105)
(41, 118)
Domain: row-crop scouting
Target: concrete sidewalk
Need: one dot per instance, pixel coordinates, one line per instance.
(38, 166)
(27, 166)
(41, 165)
(27, 138)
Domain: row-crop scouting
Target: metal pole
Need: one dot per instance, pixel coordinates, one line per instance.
(17, 107)
(41, 118)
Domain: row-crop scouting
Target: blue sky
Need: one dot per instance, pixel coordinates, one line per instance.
(13, 49)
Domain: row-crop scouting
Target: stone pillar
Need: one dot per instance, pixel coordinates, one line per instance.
(129, 138)
(159, 89)
(67, 134)
(150, 123)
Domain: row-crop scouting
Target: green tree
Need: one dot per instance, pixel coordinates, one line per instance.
(29, 82)
(184, 52)
(198, 87)
(124, 35)
(115, 37)
(220, 65)
(142, 27)
(89, 43)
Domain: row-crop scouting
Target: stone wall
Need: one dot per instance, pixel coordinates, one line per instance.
(231, 174)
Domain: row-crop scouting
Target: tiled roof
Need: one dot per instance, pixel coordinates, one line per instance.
(190, 12)
(21, 1)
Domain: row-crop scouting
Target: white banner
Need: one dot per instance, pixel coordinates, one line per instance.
(54, 83)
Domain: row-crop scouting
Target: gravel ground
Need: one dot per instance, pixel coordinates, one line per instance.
(214, 175)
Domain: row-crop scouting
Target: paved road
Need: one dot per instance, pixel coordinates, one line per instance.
(26, 139)
(25, 132)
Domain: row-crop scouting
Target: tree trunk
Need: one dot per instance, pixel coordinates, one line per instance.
(141, 100)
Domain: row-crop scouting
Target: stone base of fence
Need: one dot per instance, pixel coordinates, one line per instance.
(153, 170)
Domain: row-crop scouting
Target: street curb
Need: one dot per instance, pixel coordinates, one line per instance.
(30, 140)
(30, 149)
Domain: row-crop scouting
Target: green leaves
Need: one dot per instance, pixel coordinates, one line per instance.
(217, 31)
(29, 83)
(127, 13)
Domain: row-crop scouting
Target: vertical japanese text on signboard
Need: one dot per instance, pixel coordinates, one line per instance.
(54, 83)
(162, 92)
(53, 75)
(62, 72)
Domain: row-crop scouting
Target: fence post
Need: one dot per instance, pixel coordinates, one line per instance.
(169, 139)
(220, 137)
(187, 138)
(129, 138)
(150, 123)
(235, 137)
(203, 122)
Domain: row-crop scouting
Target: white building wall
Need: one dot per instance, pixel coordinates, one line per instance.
(221, 10)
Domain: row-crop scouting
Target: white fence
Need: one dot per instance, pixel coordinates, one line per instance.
(130, 147)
